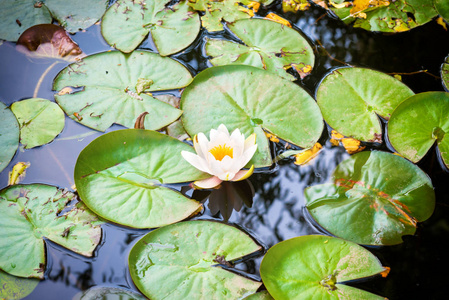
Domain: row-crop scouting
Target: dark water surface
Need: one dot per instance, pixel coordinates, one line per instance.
(419, 266)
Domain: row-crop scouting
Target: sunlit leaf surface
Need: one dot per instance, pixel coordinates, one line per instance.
(263, 295)
(9, 135)
(385, 16)
(127, 23)
(40, 121)
(420, 122)
(252, 100)
(18, 15)
(107, 87)
(12, 287)
(315, 266)
(48, 40)
(120, 175)
(267, 45)
(189, 253)
(374, 199)
(33, 212)
(351, 99)
(442, 7)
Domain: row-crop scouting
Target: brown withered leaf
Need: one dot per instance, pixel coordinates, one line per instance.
(48, 40)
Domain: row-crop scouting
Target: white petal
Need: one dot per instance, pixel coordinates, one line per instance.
(248, 154)
(214, 165)
(208, 183)
(224, 129)
(196, 161)
(226, 176)
(243, 174)
(203, 143)
(229, 165)
(250, 141)
(213, 135)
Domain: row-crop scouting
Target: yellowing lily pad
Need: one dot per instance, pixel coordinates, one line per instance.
(385, 16)
(316, 267)
(18, 15)
(112, 87)
(190, 255)
(252, 100)
(122, 175)
(9, 136)
(420, 122)
(267, 45)
(33, 212)
(40, 121)
(127, 23)
(374, 199)
(351, 99)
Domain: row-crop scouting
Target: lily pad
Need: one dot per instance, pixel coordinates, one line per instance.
(442, 7)
(9, 136)
(374, 199)
(267, 45)
(18, 15)
(12, 287)
(418, 123)
(264, 295)
(252, 100)
(111, 88)
(445, 73)
(33, 212)
(315, 267)
(189, 253)
(127, 23)
(387, 16)
(351, 99)
(226, 10)
(40, 121)
(108, 293)
(120, 175)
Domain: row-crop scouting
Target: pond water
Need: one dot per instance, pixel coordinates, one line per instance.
(418, 266)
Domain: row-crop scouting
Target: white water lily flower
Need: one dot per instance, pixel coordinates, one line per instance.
(223, 156)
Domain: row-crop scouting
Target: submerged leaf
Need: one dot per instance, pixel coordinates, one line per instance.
(12, 287)
(267, 45)
(127, 23)
(33, 212)
(48, 40)
(108, 293)
(190, 254)
(9, 135)
(110, 83)
(40, 121)
(374, 199)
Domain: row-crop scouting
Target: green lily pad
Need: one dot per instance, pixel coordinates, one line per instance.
(398, 16)
(267, 45)
(226, 10)
(40, 121)
(445, 73)
(127, 23)
(374, 199)
(418, 123)
(114, 87)
(108, 293)
(351, 99)
(264, 295)
(9, 136)
(120, 175)
(252, 100)
(12, 287)
(18, 15)
(315, 266)
(442, 7)
(33, 212)
(189, 253)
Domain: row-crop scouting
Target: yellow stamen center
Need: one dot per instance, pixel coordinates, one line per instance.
(221, 151)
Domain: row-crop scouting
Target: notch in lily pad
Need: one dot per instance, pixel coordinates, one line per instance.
(374, 198)
(353, 99)
(419, 123)
(9, 135)
(196, 256)
(316, 267)
(33, 212)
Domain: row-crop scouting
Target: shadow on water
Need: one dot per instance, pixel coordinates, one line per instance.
(277, 211)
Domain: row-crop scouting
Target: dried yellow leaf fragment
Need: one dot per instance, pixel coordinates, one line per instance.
(18, 173)
(272, 137)
(352, 145)
(276, 18)
(306, 156)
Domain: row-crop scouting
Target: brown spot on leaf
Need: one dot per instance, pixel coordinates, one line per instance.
(221, 260)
